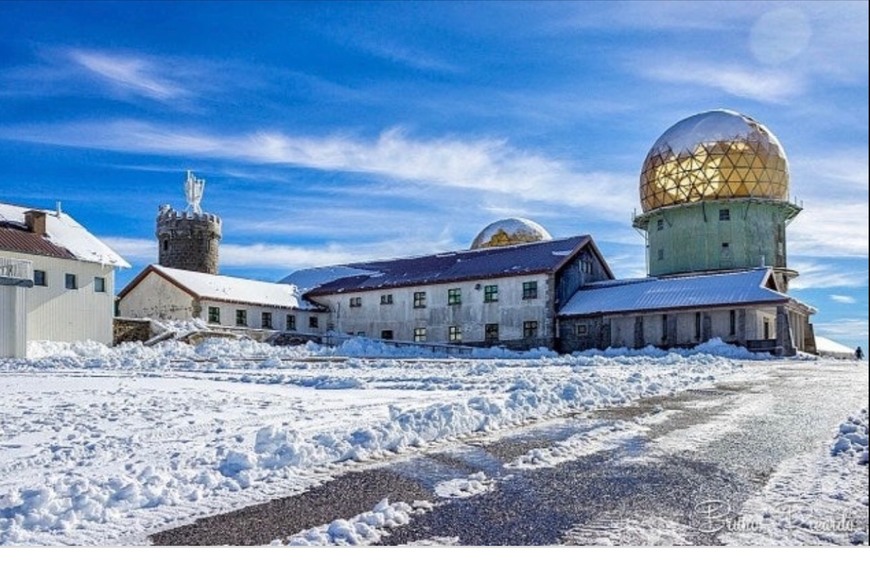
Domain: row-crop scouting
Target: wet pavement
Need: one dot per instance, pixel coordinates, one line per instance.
(717, 444)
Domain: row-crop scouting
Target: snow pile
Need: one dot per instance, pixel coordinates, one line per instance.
(713, 347)
(852, 437)
(598, 439)
(364, 529)
(475, 484)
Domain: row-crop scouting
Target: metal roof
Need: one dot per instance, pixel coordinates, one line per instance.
(494, 262)
(18, 240)
(654, 294)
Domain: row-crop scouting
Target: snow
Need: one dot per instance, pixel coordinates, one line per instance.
(597, 439)
(475, 484)
(829, 347)
(709, 127)
(104, 446)
(66, 232)
(230, 288)
(364, 529)
(819, 498)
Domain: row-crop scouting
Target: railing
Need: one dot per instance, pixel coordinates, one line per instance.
(15, 272)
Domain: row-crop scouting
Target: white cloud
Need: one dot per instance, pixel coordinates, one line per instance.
(763, 84)
(841, 299)
(815, 275)
(827, 229)
(488, 165)
(843, 328)
(134, 74)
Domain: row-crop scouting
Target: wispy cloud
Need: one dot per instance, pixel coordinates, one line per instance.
(841, 299)
(849, 328)
(134, 74)
(488, 165)
(815, 275)
(763, 84)
(828, 229)
(286, 258)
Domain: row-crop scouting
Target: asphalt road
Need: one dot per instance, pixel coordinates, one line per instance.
(700, 446)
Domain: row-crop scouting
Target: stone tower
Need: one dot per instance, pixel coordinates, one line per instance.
(189, 240)
(714, 191)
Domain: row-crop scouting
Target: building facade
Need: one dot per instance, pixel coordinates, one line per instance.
(59, 281)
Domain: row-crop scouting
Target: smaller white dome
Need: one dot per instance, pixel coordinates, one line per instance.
(511, 231)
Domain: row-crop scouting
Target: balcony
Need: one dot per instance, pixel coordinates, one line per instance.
(14, 272)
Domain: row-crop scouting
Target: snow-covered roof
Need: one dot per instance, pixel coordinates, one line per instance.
(651, 294)
(228, 288)
(831, 347)
(65, 232)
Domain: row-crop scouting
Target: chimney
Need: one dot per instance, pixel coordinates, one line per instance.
(35, 221)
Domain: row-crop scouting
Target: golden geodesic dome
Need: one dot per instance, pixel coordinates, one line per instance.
(713, 155)
(511, 231)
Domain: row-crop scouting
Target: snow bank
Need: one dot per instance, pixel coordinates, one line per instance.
(364, 529)
(713, 347)
(851, 439)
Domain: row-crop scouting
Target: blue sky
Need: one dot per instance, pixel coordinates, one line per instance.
(333, 132)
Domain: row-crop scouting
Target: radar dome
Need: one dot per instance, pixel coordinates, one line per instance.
(511, 231)
(713, 155)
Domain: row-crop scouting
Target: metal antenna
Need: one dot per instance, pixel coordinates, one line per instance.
(193, 190)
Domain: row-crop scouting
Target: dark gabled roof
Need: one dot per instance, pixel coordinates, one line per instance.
(496, 262)
(683, 292)
(18, 239)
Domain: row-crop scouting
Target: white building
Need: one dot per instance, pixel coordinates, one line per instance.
(57, 280)
(159, 292)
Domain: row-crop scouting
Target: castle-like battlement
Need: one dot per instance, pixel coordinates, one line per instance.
(188, 240)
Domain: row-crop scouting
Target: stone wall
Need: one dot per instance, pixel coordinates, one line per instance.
(125, 330)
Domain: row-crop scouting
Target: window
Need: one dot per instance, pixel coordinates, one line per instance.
(530, 290)
(732, 322)
(725, 246)
(313, 322)
(70, 281)
(39, 278)
(419, 299)
(266, 320)
(242, 317)
(419, 334)
(454, 296)
(166, 244)
(665, 327)
(386, 299)
(360, 333)
(490, 293)
(490, 332)
(661, 254)
(581, 329)
(454, 333)
(99, 284)
(530, 329)
(586, 266)
(725, 215)
(387, 335)
(698, 326)
(291, 322)
(356, 302)
(214, 314)
(766, 329)
(660, 224)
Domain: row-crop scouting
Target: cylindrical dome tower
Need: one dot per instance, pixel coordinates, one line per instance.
(714, 192)
(189, 240)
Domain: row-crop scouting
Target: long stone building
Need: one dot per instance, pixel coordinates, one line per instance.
(715, 199)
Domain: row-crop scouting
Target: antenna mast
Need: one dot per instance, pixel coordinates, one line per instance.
(193, 190)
